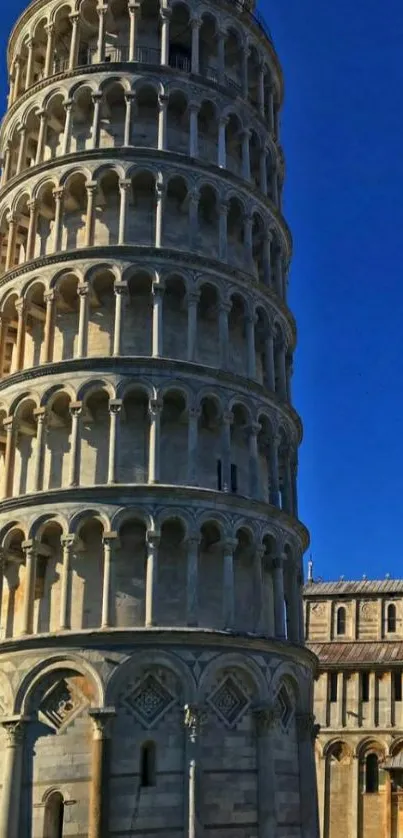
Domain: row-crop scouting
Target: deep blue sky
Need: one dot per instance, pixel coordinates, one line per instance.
(343, 140)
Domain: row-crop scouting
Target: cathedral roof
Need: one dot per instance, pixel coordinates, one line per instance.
(350, 653)
(348, 588)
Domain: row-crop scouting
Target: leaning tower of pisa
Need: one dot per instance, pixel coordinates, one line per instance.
(153, 678)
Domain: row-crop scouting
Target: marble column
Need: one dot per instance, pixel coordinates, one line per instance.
(248, 241)
(12, 241)
(274, 472)
(260, 92)
(270, 108)
(254, 487)
(268, 597)
(120, 293)
(159, 213)
(340, 699)
(12, 777)
(50, 49)
(22, 312)
(43, 124)
(130, 98)
(67, 543)
(221, 35)
(229, 548)
(109, 543)
(58, 195)
(263, 170)
(281, 368)
(30, 551)
(245, 72)
(195, 24)
(68, 106)
(74, 464)
(193, 298)
(30, 63)
(223, 327)
(102, 12)
(163, 122)
(355, 798)
(74, 42)
(9, 427)
(33, 220)
(99, 788)
(222, 142)
(193, 429)
(96, 119)
(134, 15)
(227, 421)
(251, 350)
(223, 232)
(89, 230)
(193, 208)
(194, 108)
(40, 416)
(6, 164)
(246, 154)
(165, 14)
(279, 609)
(158, 291)
(155, 409)
(125, 189)
(82, 291)
(307, 731)
(195, 717)
(153, 541)
(269, 370)
(115, 407)
(192, 580)
(266, 721)
(22, 149)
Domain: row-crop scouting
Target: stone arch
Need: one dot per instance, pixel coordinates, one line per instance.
(149, 660)
(55, 664)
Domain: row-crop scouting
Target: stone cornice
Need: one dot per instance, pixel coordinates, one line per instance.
(127, 494)
(130, 364)
(227, 641)
(163, 254)
(132, 154)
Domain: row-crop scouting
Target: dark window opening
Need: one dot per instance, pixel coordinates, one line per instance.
(397, 686)
(371, 774)
(219, 475)
(147, 765)
(341, 620)
(234, 478)
(391, 618)
(365, 686)
(54, 816)
(333, 687)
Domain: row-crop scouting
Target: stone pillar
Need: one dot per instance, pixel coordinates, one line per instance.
(245, 154)
(194, 108)
(58, 195)
(74, 465)
(307, 732)
(29, 548)
(68, 106)
(162, 122)
(50, 300)
(153, 541)
(129, 98)
(160, 192)
(165, 14)
(154, 409)
(278, 272)
(270, 109)
(245, 72)
(12, 777)
(67, 543)
(96, 119)
(229, 584)
(8, 425)
(12, 241)
(248, 241)
(192, 580)
(223, 232)
(74, 43)
(193, 298)
(115, 406)
(222, 142)
(109, 541)
(321, 782)
(22, 312)
(260, 92)
(50, 49)
(120, 293)
(273, 470)
(195, 717)
(193, 430)
(40, 416)
(33, 219)
(269, 597)
(22, 148)
(372, 699)
(355, 798)
(279, 608)
(30, 63)
(221, 35)
(269, 371)
(254, 487)
(89, 230)
(82, 291)
(281, 369)
(227, 421)
(125, 187)
(263, 171)
(266, 720)
(223, 328)
(196, 25)
(43, 124)
(6, 164)
(193, 207)
(102, 11)
(4, 324)
(158, 289)
(99, 790)
(134, 15)
(250, 340)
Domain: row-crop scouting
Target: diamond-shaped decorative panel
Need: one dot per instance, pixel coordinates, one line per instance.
(229, 702)
(285, 708)
(60, 704)
(149, 701)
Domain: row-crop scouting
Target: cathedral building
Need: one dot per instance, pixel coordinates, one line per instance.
(356, 630)
(153, 673)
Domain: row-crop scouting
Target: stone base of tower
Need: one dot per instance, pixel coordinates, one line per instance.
(157, 732)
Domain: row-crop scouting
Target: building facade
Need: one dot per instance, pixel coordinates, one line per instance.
(153, 676)
(356, 630)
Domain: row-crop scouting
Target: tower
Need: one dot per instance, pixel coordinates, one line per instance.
(153, 676)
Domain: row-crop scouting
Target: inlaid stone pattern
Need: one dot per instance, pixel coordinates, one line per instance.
(229, 702)
(149, 701)
(61, 704)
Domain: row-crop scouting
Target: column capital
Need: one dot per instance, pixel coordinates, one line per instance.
(74, 17)
(110, 537)
(97, 96)
(83, 289)
(58, 193)
(102, 10)
(29, 546)
(125, 185)
(120, 287)
(194, 412)
(224, 207)
(195, 716)
(91, 186)
(225, 306)
(40, 414)
(228, 417)
(196, 22)
(254, 428)
(266, 717)
(33, 205)
(50, 296)
(68, 104)
(163, 100)
(14, 728)
(100, 717)
(155, 407)
(130, 95)
(194, 106)
(68, 541)
(229, 545)
(165, 13)
(223, 121)
(43, 115)
(49, 27)
(153, 538)
(193, 297)
(76, 408)
(158, 288)
(115, 406)
(21, 306)
(134, 6)
(159, 190)
(278, 562)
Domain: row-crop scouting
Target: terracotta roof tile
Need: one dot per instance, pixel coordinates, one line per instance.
(352, 653)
